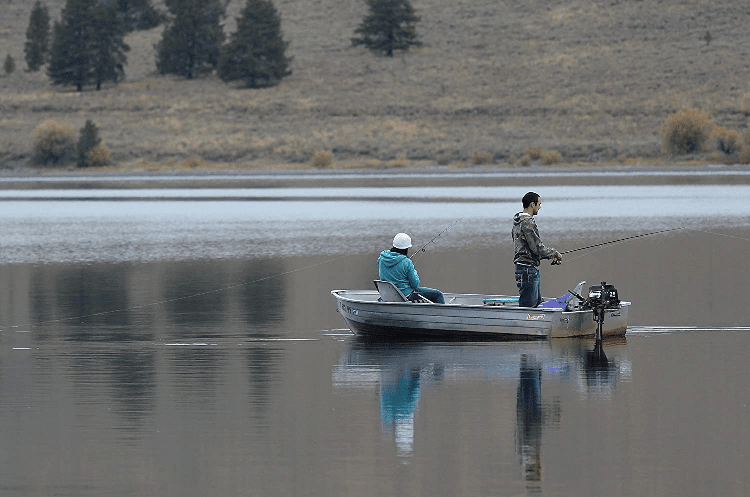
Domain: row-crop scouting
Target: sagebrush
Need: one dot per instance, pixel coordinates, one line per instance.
(54, 143)
(322, 158)
(686, 131)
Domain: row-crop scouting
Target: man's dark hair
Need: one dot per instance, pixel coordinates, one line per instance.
(400, 251)
(530, 198)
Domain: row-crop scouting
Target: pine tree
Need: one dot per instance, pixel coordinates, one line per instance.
(138, 15)
(192, 40)
(388, 26)
(9, 65)
(72, 47)
(87, 45)
(36, 47)
(255, 53)
(88, 139)
(109, 59)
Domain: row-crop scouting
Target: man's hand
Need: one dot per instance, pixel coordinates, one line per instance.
(556, 258)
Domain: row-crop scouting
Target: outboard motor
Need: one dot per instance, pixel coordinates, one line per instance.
(601, 298)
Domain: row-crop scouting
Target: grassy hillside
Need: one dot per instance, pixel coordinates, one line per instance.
(593, 80)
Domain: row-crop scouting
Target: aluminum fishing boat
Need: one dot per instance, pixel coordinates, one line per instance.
(385, 312)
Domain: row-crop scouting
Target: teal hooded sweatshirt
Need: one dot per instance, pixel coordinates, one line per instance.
(399, 270)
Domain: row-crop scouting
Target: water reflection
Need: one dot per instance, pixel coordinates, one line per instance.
(403, 373)
(120, 330)
(124, 302)
(529, 417)
(399, 396)
(133, 376)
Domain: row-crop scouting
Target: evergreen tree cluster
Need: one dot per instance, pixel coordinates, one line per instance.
(193, 43)
(87, 44)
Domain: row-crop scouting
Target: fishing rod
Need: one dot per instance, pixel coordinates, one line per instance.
(433, 239)
(622, 240)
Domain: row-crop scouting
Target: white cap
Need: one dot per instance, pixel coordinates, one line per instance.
(402, 241)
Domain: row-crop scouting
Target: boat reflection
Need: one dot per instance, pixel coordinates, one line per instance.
(403, 372)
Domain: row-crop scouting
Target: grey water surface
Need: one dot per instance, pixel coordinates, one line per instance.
(184, 342)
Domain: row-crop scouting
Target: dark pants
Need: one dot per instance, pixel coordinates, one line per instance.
(527, 281)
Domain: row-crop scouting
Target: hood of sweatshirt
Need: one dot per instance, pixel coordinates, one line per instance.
(520, 216)
(390, 259)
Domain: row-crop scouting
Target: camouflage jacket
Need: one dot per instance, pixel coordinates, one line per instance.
(527, 245)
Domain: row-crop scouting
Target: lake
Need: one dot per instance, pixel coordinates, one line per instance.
(177, 337)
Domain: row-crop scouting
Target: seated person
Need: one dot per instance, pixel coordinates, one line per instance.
(396, 267)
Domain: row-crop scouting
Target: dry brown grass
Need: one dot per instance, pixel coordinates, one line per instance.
(546, 157)
(591, 80)
(480, 157)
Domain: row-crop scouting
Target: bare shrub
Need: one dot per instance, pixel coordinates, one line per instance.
(193, 162)
(550, 157)
(54, 143)
(546, 157)
(533, 153)
(530, 155)
(725, 140)
(322, 158)
(480, 157)
(686, 131)
(98, 156)
(443, 158)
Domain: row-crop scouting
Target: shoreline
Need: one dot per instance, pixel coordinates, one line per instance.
(38, 178)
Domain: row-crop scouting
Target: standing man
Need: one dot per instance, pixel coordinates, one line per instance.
(529, 251)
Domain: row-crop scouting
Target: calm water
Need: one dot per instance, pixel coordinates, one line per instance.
(183, 342)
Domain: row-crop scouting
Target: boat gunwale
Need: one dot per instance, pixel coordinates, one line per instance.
(497, 308)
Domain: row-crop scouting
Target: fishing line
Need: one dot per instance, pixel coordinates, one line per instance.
(719, 234)
(583, 255)
(161, 302)
(422, 249)
(599, 246)
(622, 240)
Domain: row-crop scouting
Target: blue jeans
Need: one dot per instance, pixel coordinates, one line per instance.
(431, 294)
(527, 281)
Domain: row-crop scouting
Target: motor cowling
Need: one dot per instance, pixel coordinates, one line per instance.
(603, 296)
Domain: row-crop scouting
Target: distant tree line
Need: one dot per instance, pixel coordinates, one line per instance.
(86, 46)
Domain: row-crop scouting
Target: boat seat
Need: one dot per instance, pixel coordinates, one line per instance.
(390, 293)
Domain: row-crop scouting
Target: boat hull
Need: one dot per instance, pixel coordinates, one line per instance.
(464, 316)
